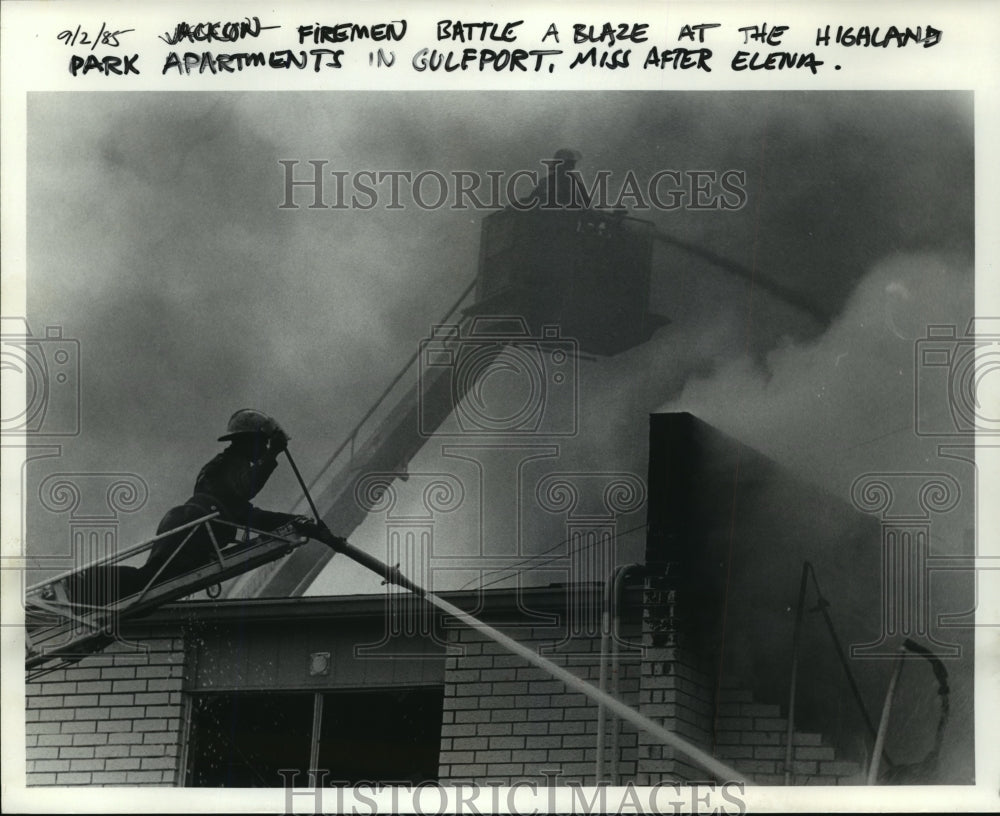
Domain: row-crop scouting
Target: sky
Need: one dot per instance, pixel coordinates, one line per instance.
(155, 238)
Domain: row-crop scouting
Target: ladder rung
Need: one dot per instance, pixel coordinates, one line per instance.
(238, 559)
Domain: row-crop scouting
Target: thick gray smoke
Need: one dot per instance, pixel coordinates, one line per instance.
(843, 403)
(156, 239)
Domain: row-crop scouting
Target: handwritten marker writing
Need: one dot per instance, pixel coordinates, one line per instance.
(761, 33)
(606, 59)
(688, 31)
(460, 31)
(120, 66)
(210, 62)
(483, 59)
(106, 36)
(349, 32)
(610, 34)
(679, 58)
(216, 32)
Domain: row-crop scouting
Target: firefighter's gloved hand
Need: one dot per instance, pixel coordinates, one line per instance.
(318, 531)
(278, 442)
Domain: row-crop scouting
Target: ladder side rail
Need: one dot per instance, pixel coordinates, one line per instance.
(67, 613)
(263, 551)
(337, 473)
(128, 552)
(71, 611)
(351, 437)
(170, 558)
(222, 554)
(131, 551)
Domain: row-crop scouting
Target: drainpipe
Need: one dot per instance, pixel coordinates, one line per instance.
(615, 673)
(612, 594)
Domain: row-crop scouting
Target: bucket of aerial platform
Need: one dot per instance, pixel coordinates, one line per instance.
(586, 271)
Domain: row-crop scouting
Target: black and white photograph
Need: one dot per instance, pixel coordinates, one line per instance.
(611, 446)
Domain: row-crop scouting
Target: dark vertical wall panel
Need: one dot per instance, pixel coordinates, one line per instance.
(736, 529)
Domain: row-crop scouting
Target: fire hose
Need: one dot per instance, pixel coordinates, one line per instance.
(392, 575)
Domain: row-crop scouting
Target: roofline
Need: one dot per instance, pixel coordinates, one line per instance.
(489, 603)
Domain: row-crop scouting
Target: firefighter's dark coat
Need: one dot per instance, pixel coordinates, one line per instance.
(225, 485)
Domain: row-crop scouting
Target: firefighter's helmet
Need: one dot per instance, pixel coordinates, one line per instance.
(249, 421)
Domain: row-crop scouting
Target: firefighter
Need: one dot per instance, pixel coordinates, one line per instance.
(225, 486)
(557, 190)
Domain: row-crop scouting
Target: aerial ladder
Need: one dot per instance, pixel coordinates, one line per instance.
(584, 273)
(580, 274)
(543, 277)
(65, 620)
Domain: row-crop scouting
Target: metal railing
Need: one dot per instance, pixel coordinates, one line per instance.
(350, 441)
(879, 755)
(329, 472)
(70, 625)
(822, 606)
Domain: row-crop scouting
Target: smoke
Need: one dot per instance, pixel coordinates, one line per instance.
(829, 407)
(155, 238)
(843, 404)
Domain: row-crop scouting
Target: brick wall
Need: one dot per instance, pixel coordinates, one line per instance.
(747, 735)
(117, 718)
(111, 719)
(506, 720)
(675, 691)
(753, 737)
(679, 689)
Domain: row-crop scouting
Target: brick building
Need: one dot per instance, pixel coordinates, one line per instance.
(230, 692)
